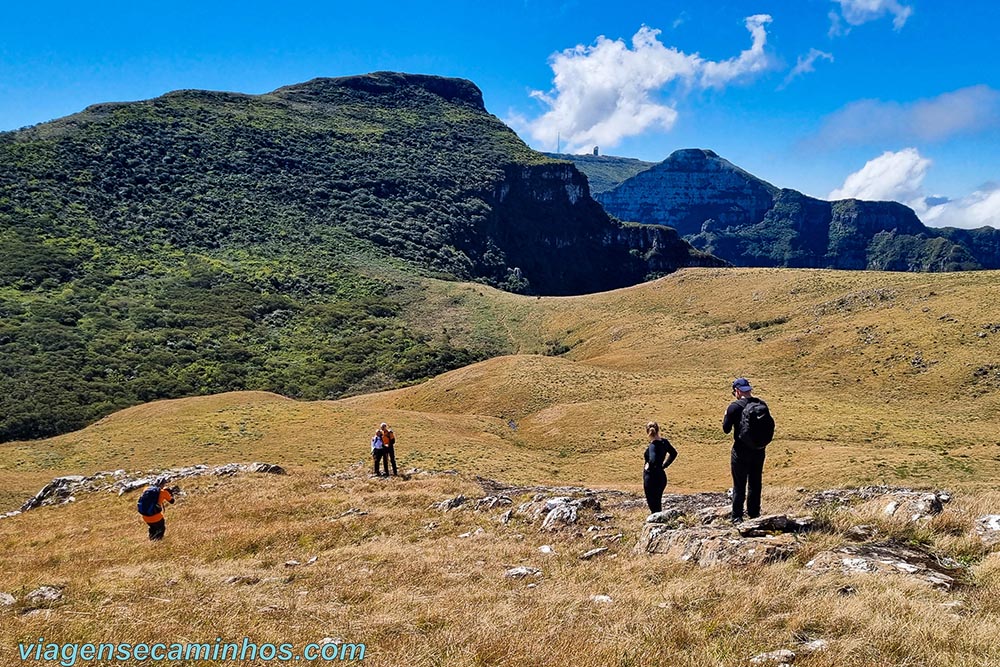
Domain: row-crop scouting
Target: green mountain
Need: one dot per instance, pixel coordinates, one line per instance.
(203, 241)
(604, 172)
(734, 215)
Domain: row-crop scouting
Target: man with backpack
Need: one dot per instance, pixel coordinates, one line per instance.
(750, 420)
(150, 506)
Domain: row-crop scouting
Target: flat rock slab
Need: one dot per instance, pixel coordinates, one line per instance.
(774, 523)
(889, 559)
(708, 546)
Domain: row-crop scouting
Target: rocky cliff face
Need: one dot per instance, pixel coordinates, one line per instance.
(726, 211)
(688, 188)
(545, 223)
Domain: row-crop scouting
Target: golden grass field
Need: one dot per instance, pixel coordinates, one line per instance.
(872, 377)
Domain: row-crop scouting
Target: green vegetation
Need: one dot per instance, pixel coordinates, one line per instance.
(604, 172)
(205, 242)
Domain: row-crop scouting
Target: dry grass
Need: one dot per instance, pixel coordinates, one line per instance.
(420, 595)
(874, 378)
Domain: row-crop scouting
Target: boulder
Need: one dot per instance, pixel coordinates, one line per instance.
(7, 600)
(43, 596)
(601, 599)
(560, 515)
(451, 503)
(668, 517)
(988, 529)
(889, 559)
(491, 502)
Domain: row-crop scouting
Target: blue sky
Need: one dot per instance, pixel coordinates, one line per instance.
(881, 99)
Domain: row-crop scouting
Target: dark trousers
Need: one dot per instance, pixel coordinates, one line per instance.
(380, 455)
(653, 484)
(748, 471)
(390, 451)
(156, 530)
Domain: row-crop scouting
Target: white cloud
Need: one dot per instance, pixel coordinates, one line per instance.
(857, 12)
(608, 91)
(963, 111)
(750, 61)
(981, 208)
(806, 63)
(889, 177)
(899, 177)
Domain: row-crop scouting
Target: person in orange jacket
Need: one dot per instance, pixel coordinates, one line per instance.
(389, 444)
(151, 504)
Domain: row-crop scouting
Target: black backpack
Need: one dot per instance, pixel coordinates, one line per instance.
(756, 428)
(149, 501)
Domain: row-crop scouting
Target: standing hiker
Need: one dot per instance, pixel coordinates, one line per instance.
(654, 472)
(750, 421)
(379, 454)
(150, 506)
(389, 443)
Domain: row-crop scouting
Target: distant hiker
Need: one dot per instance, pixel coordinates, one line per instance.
(659, 455)
(150, 506)
(750, 421)
(379, 454)
(389, 443)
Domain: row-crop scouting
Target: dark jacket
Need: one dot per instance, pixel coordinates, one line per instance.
(655, 454)
(731, 422)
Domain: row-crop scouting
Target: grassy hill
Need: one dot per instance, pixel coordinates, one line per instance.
(873, 378)
(203, 242)
(604, 172)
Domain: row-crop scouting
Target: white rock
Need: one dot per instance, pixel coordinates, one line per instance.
(292, 563)
(546, 549)
(7, 600)
(330, 640)
(780, 657)
(601, 599)
(815, 646)
(521, 572)
(43, 595)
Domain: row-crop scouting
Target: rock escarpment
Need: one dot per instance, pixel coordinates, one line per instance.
(732, 214)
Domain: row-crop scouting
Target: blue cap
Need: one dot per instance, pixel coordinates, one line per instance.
(742, 384)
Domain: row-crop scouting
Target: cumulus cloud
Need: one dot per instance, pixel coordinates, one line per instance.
(899, 176)
(807, 63)
(979, 209)
(857, 12)
(608, 91)
(964, 111)
(892, 176)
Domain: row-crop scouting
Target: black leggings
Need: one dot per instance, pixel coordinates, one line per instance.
(653, 484)
(156, 530)
(380, 455)
(748, 471)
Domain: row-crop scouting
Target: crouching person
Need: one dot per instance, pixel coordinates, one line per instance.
(151, 504)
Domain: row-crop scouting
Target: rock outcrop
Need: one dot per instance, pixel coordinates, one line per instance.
(64, 489)
(888, 558)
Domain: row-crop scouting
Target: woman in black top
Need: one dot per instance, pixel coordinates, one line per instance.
(654, 476)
